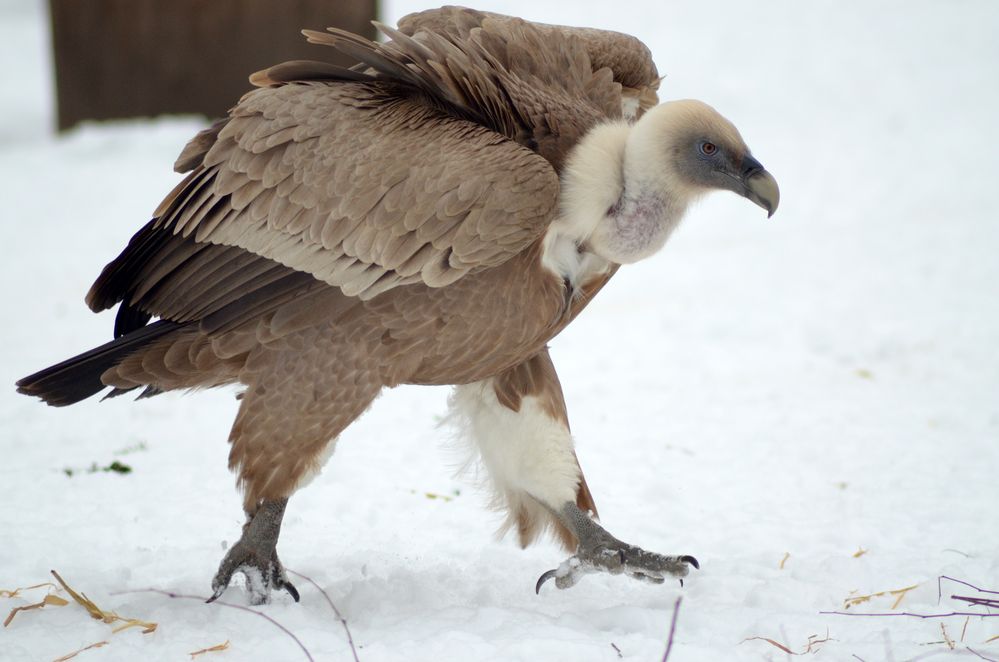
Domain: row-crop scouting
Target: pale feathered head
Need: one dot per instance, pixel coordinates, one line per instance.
(674, 154)
(704, 151)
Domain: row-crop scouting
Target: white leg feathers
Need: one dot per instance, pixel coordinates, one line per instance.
(517, 422)
(527, 452)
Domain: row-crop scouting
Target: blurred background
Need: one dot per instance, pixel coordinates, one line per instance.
(134, 58)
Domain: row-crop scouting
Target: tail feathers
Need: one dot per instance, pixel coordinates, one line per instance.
(148, 392)
(79, 378)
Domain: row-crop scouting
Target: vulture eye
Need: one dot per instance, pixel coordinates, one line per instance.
(708, 149)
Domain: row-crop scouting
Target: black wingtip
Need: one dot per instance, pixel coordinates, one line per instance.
(79, 377)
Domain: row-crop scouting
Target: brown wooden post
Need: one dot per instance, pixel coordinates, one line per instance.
(135, 58)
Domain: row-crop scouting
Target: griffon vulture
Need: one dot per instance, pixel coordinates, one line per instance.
(435, 214)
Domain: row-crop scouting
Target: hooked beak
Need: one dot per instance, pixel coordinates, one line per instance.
(759, 185)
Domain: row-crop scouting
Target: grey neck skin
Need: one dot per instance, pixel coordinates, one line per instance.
(643, 218)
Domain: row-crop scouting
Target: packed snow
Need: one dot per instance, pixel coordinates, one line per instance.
(809, 404)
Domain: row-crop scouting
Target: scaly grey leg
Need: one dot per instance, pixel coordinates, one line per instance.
(255, 555)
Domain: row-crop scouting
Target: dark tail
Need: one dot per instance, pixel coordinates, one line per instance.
(79, 378)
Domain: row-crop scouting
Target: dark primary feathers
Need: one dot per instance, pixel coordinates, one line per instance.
(79, 378)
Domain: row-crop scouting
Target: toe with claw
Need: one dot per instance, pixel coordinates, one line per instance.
(599, 551)
(630, 560)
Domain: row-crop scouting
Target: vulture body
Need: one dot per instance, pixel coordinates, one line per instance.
(435, 214)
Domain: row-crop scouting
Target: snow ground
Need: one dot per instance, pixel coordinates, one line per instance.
(820, 383)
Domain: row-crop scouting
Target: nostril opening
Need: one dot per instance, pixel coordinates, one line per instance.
(750, 166)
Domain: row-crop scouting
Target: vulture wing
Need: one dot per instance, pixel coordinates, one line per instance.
(628, 59)
(435, 156)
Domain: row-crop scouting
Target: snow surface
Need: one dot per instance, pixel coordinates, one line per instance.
(820, 383)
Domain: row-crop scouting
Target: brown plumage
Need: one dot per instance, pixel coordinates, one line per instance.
(407, 221)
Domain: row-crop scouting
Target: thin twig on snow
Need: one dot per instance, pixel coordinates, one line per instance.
(171, 594)
(672, 628)
(339, 616)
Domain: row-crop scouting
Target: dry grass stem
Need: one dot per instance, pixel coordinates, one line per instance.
(105, 616)
(211, 649)
(85, 648)
(988, 603)
(16, 593)
(48, 600)
(810, 646)
(947, 639)
(860, 552)
(787, 555)
(771, 642)
(899, 594)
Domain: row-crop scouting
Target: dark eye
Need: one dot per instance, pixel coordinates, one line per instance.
(708, 149)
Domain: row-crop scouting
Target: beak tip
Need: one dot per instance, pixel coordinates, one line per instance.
(762, 189)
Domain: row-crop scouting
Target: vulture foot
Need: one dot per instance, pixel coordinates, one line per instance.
(255, 556)
(599, 551)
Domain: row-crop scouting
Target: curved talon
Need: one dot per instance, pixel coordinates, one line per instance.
(691, 561)
(288, 586)
(220, 583)
(543, 578)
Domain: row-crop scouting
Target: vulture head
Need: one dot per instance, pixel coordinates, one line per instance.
(674, 154)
